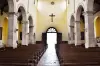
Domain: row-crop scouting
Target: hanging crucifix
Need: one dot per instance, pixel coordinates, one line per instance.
(52, 15)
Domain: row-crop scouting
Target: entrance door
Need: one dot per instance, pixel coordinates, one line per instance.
(59, 38)
(44, 38)
(51, 39)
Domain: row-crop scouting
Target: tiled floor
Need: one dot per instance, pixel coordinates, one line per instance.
(49, 58)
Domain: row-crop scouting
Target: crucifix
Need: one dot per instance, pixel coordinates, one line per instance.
(52, 15)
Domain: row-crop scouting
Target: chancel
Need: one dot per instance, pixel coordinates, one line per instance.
(50, 33)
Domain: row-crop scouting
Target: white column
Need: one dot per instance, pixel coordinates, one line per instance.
(31, 36)
(77, 33)
(89, 30)
(12, 37)
(25, 33)
(72, 40)
(34, 38)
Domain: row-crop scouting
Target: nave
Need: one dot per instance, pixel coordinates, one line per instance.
(39, 55)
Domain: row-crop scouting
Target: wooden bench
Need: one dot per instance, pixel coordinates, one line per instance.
(22, 56)
(78, 56)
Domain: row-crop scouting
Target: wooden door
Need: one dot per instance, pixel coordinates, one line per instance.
(59, 38)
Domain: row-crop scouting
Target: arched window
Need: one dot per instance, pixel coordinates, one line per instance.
(51, 30)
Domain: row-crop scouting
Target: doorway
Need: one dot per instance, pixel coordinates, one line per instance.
(51, 37)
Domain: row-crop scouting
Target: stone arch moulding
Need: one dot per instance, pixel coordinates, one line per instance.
(23, 9)
(24, 24)
(30, 20)
(71, 34)
(72, 18)
(78, 12)
(97, 14)
(31, 28)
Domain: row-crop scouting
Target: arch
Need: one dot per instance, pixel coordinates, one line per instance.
(51, 32)
(59, 35)
(79, 11)
(30, 20)
(31, 35)
(19, 24)
(80, 25)
(23, 11)
(11, 4)
(54, 30)
(72, 19)
(22, 15)
(97, 26)
(72, 26)
(80, 17)
(5, 31)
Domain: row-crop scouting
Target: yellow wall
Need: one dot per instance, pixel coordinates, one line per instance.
(19, 30)
(97, 26)
(5, 31)
(4, 25)
(44, 20)
(82, 26)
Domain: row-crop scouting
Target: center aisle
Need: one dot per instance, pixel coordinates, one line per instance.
(49, 58)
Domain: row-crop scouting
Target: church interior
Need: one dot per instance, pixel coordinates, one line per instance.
(49, 32)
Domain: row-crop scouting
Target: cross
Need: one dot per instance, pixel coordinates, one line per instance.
(52, 15)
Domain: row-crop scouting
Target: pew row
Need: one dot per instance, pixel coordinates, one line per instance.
(22, 56)
(69, 55)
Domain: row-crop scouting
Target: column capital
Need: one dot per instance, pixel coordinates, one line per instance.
(71, 26)
(24, 22)
(31, 26)
(77, 21)
(88, 13)
(12, 13)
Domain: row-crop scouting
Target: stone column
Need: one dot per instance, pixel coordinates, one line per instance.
(34, 38)
(31, 36)
(12, 37)
(77, 33)
(89, 29)
(25, 33)
(72, 40)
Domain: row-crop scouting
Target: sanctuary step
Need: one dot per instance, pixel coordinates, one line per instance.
(22, 56)
(69, 55)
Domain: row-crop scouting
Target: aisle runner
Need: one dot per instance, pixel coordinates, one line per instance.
(49, 58)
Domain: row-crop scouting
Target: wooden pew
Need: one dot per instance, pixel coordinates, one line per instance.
(78, 56)
(23, 55)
